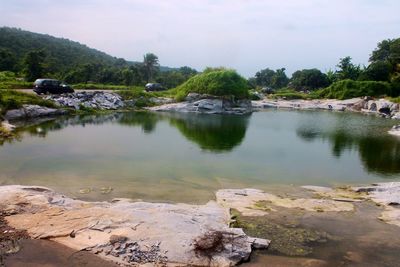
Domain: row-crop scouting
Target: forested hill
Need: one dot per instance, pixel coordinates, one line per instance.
(33, 55)
(61, 54)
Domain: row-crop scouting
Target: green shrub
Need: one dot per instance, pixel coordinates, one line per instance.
(349, 88)
(219, 82)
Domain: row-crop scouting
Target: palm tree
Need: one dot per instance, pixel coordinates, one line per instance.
(151, 65)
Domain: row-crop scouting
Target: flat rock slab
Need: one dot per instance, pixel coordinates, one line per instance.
(254, 202)
(130, 232)
(382, 193)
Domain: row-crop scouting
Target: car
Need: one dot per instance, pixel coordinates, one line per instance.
(154, 87)
(52, 86)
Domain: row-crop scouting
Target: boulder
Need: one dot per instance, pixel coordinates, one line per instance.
(32, 111)
(208, 106)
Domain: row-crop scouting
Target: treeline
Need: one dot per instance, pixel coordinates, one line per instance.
(32, 55)
(381, 76)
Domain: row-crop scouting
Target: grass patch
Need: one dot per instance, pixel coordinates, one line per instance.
(99, 86)
(143, 98)
(10, 99)
(15, 85)
(289, 94)
(395, 99)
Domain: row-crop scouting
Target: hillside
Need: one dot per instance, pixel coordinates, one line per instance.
(62, 54)
(35, 55)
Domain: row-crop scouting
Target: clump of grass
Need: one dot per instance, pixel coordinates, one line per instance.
(10, 99)
(221, 82)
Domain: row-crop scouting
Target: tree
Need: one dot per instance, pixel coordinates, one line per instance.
(34, 67)
(151, 65)
(308, 79)
(8, 61)
(347, 70)
(279, 79)
(377, 71)
(264, 77)
(187, 71)
(387, 50)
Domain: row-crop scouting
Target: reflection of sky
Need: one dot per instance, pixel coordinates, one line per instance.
(246, 35)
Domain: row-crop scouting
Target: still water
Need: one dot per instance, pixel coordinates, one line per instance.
(186, 157)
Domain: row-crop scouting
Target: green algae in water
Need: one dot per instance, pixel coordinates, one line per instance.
(285, 239)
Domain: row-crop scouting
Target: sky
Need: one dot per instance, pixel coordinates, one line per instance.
(247, 35)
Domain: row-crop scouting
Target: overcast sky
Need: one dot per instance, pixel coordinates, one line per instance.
(245, 35)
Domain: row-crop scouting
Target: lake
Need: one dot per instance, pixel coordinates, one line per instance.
(187, 157)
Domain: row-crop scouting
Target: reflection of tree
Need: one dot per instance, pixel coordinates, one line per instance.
(212, 132)
(147, 120)
(380, 154)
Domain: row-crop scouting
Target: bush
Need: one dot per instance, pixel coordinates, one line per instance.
(219, 82)
(349, 88)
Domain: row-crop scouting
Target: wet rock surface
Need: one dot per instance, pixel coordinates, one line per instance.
(128, 232)
(254, 202)
(10, 238)
(95, 100)
(32, 111)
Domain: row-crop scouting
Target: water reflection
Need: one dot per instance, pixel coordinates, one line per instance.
(213, 133)
(378, 152)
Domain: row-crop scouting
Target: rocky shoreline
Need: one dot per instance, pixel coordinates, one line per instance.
(160, 234)
(196, 103)
(381, 107)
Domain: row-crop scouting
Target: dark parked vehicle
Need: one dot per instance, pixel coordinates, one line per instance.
(44, 86)
(154, 87)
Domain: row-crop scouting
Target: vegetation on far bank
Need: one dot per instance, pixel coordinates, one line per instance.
(25, 56)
